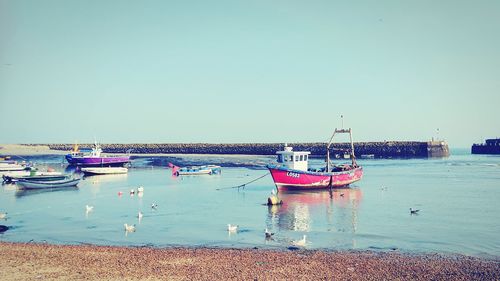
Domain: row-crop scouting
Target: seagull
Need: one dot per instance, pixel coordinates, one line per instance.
(129, 228)
(132, 192)
(139, 215)
(3, 216)
(412, 211)
(140, 189)
(300, 243)
(341, 194)
(232, 228)
(154, 206)
(268, 234)
(89, 208)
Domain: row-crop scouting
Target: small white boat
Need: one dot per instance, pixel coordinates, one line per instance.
(198, 170)
(104, 170)
(5, 167)
(27, 173)
(27, 184)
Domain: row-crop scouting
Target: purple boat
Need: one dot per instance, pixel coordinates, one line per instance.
(93, 157)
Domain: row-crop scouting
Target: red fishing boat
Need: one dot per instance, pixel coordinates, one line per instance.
(292, 172)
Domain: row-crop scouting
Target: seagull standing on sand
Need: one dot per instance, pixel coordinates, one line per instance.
(300, 243)
(268, 234)
(232, 228)
(154, 206)
(3, 216)
(413, 212)
(140, 189)
(129, 228)
(88, 208)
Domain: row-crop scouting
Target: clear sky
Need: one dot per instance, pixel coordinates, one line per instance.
(248, 71)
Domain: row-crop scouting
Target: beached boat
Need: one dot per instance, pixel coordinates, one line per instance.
(94, 157)
(292, 172)
(104, 170)
(29, 184)
(11, 166)
(195, 170)
(54, 176)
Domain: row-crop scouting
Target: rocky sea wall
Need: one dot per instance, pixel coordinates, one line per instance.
(388, 149)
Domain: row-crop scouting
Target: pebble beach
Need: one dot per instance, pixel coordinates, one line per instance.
(31, 261)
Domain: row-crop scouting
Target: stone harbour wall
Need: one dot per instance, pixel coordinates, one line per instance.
(387, 149)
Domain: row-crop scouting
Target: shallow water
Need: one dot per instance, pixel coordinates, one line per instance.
(458, 198)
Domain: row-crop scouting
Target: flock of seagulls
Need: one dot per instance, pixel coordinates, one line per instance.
(230, 228)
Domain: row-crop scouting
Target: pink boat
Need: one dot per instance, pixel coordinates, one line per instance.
(292, 172)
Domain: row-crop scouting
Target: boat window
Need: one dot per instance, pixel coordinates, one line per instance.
(296, 158)
(291, 158)
(301, 158)
(280, 158)
(305, 157)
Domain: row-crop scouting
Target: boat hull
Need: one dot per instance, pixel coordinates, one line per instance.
(98, 161)
(25, 184)
(287, 179)
(9, 179)
(104, 170)
(198, 170)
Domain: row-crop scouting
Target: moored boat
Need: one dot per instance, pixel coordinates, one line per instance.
(195, 170)
(94, 157)
(104, 170)
(55, 176)
(29, 184)
(11, 166)
(292, 171)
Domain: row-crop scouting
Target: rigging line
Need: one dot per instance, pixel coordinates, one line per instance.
(243, 185)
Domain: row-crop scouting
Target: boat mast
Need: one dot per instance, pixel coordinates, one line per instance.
(340, 131)
(353, 158)
(328, 152)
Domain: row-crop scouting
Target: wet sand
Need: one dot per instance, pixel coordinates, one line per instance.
(54, 262)
(14, 150)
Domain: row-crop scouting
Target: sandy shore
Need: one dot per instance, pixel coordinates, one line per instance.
(50, 262)
(19, 149)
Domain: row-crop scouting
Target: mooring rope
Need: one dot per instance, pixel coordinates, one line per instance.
(243, 185)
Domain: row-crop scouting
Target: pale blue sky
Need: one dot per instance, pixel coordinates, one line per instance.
(248, 71)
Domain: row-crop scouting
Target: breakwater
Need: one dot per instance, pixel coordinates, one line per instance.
(491, 146)
(388, 149)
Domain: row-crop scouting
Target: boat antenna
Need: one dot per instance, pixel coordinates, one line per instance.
(342, 120)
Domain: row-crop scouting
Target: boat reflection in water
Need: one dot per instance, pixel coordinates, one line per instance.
(28, 192)
(339, 207)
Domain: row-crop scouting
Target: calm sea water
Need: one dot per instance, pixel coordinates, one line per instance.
(458, 198)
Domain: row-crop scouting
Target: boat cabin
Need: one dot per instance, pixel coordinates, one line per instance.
(296, 160)
(95, 151)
